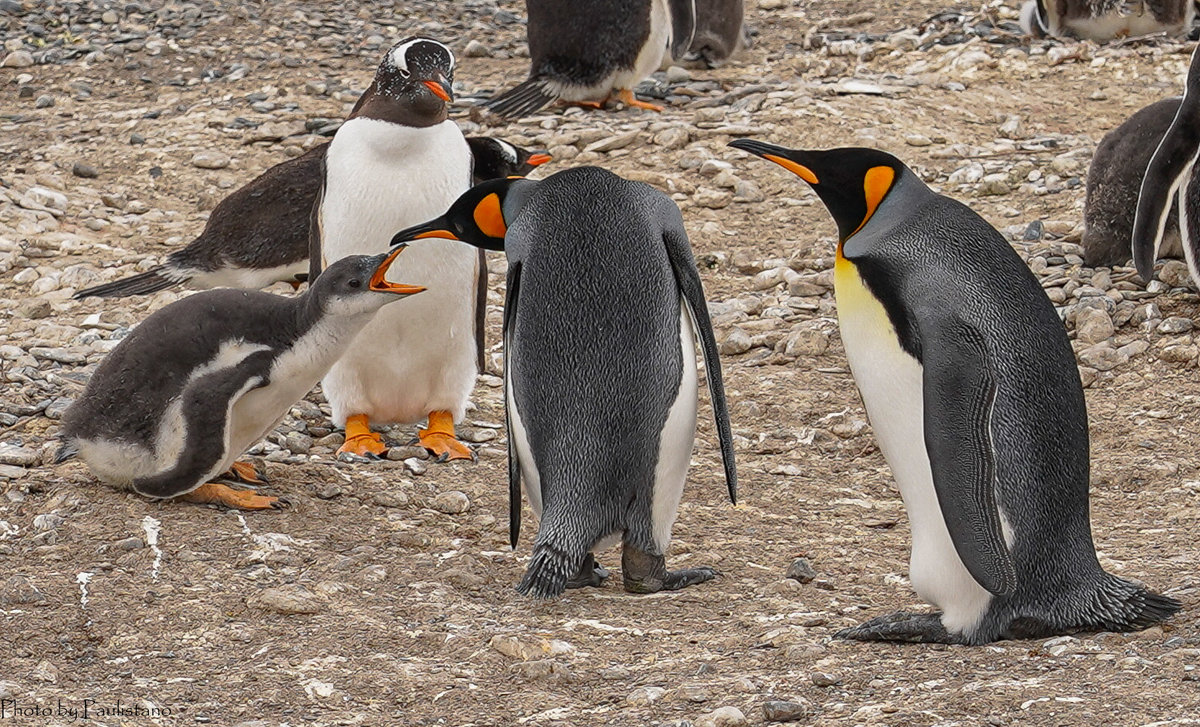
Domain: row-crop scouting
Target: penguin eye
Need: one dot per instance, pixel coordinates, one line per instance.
(355, 283)
(404, 72)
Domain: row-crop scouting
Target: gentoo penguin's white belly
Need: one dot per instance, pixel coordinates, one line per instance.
(649, 58)
(1131, 24)
(420, 356)
(890, 382)
(231, 277)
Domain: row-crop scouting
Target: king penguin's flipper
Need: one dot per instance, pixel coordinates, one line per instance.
(514, 465)
(679, 252)
(1167, 174)
(683, 26)
(959, 395)
(481, 291)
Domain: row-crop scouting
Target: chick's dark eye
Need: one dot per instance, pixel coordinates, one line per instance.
(355, 283)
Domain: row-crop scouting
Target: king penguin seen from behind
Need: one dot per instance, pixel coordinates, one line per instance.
(971, 387)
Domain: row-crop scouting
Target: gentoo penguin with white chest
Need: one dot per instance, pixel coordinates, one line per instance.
(600, 368)
(971, 387)
(396, 161)
(580, 52)
(180, 398)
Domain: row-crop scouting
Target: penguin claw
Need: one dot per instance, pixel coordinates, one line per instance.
(280, 503)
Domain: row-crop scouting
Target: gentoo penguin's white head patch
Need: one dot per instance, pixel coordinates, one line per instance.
(416, 51)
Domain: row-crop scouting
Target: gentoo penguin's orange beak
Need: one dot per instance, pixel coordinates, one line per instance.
(440, 88)
(380, 284)
(538, 159)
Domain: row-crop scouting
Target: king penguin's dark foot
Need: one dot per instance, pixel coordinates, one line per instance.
(646, 573)
(590, 573)
(917, 628)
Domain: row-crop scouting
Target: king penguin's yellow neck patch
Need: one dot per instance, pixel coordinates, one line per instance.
(876, 183)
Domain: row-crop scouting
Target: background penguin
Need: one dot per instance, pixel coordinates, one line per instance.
(1102, 20)
(396, 161)
(201, 380)
(1113, 181)
(600, 368)
(719, 32)
(259, 235)
(1171, 177)
(581, 51)
(971, 387)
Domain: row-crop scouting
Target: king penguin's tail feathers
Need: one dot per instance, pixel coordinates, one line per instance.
(548, 571)
(1122, 605)
(153, 280)
(522, 100)
(66, 450)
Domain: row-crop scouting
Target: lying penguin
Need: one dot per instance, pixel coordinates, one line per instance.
(259, 234)
(971, 387)
(1102, 20)
(600, 368)
(201, 380)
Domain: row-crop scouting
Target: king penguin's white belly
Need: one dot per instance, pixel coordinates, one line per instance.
(890, 382)
(419, 356)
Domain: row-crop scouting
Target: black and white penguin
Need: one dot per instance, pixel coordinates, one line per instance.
(580, 52)
(1113, 181)
(971, 387)
(396, 161)
(258, 236)
(175, 404)
(600, 368)
(1171, 183)
(1102, 20)
(719, 32)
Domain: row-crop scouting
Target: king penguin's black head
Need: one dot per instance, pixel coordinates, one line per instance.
(414, 83)
(480, 217)
(851, 181)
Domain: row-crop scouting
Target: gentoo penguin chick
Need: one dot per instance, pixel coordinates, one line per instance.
(971, 387)
(201, 380)
(1102, 20)
(396, 161)
(258, 235)
(581, 52)
(600, 368)
(719, 32)
(1113, 181)
(1171, 177)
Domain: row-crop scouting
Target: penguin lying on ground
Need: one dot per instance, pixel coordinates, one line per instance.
(1171, 178)
(600, 368)
(258, 235)
(1102, 20)
(581, 51)
(201, 380)
(971, 387)
(719, 32)
(1113, 181)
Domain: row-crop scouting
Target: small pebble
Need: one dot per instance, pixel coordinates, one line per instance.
(801, 570)
(451, 503)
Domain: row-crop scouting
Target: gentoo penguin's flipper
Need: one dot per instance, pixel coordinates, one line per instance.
(529, 96)
(315, 261)
(959, 391)
(683, 26)
(514, 465)
(679, 251)
(1166, 174)
(153, 280)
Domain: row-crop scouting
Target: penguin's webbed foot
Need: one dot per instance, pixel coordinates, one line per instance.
(590, 573)
(439, 438)
(626, 96)
(644, 572)
(904, 626)
(360, 440)
(246, 472)
(594, 105)
(216, 493)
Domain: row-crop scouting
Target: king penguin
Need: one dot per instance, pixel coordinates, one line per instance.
(970, 385)
(1102, 20)
(259, 235)
(599, 368)
(198, 382)
(396, 161)
(581, 51)
(1171, 177)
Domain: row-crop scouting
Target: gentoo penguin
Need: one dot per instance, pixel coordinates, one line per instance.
(600, 368)
(719, 31)
(1171, 176)
(1101, 20)
(201, 380)
(1113, 181)
(971, 387)
(396, 161)
(581, 51)
(258, 235)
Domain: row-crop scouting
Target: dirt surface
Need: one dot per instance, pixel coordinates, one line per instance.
(371, 601)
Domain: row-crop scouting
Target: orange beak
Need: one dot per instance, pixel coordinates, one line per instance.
(440, 89)
(380, 284)
(538, 159)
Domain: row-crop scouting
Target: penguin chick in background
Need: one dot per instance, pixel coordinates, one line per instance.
(580, 52)
(970, 385)
(201, 380)
(396, 161)
(719, 32)
(258, 236)
(1114, 180)
(1102, 20)
(599, 368)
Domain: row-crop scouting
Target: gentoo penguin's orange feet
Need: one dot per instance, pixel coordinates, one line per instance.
(597, 105)
(626, 96)
(439, 438)
(246, 472)
(214, 492)
(360, 439)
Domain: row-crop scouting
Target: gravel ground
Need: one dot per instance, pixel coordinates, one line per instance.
(384, 596)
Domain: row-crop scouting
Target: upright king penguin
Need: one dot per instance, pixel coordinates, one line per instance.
(600, 368)
(971, 387)
(396, 161)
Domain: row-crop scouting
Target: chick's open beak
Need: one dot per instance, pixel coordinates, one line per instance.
(380, 284)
